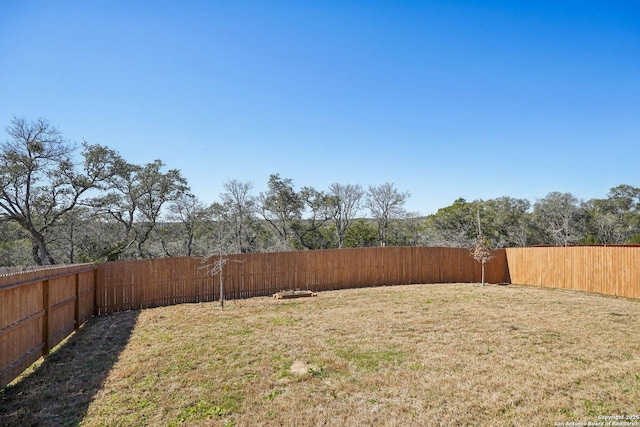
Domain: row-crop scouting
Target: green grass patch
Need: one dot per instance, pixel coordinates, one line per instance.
(371, 360)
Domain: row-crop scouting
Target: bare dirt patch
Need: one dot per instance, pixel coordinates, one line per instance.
(302, 368)
(446, 354)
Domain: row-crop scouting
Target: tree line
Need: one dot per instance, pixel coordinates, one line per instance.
(56, 209)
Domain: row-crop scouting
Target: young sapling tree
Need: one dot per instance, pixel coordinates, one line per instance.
(224, 238)
(481, 253)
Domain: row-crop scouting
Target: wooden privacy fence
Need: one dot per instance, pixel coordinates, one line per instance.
(38, 310)
(156, 282)
(612, 270)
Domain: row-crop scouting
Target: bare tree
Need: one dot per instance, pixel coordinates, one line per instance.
(190, 212)
(386, 205)
(39, 183)
(345, 204)
(241, 207)
(215, 264)
(223, 233)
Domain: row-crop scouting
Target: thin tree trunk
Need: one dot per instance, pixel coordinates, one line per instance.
(221, 282)
(190, 245)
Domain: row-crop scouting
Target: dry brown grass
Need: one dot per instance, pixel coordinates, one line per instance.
(446, 354)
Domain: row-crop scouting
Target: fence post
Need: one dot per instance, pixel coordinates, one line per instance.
(77, 308)
(45, 319)
(95, 291)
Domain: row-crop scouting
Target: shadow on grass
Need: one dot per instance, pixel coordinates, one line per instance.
(59, 391)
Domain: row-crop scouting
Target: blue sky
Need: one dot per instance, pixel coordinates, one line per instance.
(446, 99)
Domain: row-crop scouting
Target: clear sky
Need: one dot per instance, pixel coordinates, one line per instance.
(446, 99)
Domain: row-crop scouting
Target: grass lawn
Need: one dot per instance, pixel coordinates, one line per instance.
(445, 354)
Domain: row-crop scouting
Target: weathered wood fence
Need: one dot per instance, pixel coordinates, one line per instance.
(39, 309)
(157, 282)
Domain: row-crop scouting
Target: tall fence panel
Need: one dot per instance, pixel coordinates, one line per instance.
(612, 270)
(38, 310)
(148, 283)
(496, 270)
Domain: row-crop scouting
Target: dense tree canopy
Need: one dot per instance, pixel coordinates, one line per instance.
(62, 204)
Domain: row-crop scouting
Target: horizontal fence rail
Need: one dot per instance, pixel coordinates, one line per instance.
(38, 310)
(157, 282)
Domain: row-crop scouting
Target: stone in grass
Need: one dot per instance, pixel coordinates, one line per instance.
(293, 294)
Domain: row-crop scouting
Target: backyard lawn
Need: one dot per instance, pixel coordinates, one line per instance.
(443, 354)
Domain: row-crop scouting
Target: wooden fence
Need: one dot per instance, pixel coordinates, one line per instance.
(38, 310)
(612, 270)
(149, 283)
